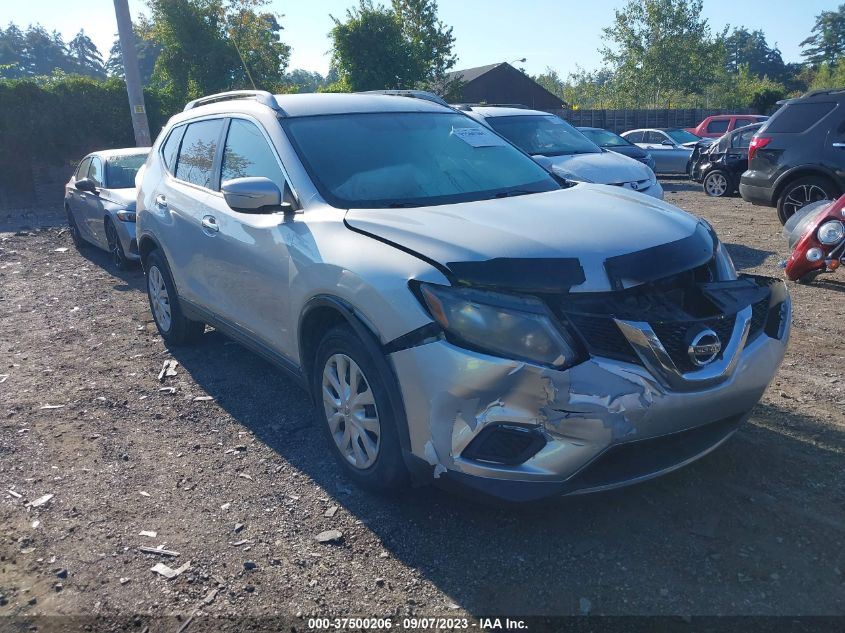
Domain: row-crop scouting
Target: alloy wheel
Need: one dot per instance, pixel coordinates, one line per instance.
(159, 298)
(351, 411)
(802, 195)
(716, 185)
(116, 250)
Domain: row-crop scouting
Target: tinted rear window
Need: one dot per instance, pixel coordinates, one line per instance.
(794, 118)
(196, 155)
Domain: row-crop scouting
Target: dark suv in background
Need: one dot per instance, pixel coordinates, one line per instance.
(798, 156)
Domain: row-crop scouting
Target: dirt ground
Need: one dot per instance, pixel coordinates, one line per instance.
(240, 484)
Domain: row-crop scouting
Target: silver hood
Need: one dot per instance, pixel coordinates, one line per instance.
(605, 168)
(588, 224)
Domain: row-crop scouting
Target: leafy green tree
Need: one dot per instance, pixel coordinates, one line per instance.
(11, 53)
(305, 80)
(44, 52)
(402, 46)
(209, 46)
(829, 75)
(744, 47)
(660, 50)
(86, 56)
(827, 42)
(429, 39)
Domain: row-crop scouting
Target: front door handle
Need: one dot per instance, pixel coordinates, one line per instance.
(839, 145)
(209, 224)
(161, 201)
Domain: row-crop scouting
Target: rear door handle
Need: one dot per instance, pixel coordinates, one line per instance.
(209, 224)
(839, 145)
(161, 200)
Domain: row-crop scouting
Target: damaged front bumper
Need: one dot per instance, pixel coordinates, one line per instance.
(519, 431)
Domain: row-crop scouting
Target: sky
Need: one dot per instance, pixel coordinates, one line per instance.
(561, 34)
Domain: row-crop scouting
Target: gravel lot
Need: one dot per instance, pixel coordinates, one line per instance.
(244, 479)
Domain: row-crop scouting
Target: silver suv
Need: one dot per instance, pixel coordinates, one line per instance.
(455, 312)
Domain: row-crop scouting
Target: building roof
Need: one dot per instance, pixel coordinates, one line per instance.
(470, 74)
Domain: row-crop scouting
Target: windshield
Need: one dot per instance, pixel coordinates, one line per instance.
(604, 138)
(545, 135)
(367, 160)
(682, 136)
(121, 170)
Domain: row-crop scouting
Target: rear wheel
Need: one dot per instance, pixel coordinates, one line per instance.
(356, 411)
(717, 184)
(118, 256)
(175, 328)
(802, 192)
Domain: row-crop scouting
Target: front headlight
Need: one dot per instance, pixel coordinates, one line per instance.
(725, 269)
(831, 232)
(124, 215)
(510, 326)
(568, 175)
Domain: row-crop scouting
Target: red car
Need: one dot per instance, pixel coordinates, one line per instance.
(719, 124)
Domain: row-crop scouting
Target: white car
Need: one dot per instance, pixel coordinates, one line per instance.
(564, 150)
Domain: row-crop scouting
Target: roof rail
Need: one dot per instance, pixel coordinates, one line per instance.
(414, 94)
(469, 106)
(262, 96)
(825, 91)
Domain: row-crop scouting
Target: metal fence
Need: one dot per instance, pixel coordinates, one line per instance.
(622, 120)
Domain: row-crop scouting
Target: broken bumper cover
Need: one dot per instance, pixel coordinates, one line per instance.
(603, 423)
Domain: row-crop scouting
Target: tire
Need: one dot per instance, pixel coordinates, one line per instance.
(175, 328)
(370, 454)
(78, 241)
(809, 278)
(118, 256)
(717, 184)
(803, 191)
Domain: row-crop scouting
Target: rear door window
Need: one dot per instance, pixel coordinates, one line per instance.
(743, 139)
(635, 137)
(720, 126)
(794, 118)
(196, 154)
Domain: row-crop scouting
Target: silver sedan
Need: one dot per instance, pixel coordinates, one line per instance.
(671, 148)
(100, 202)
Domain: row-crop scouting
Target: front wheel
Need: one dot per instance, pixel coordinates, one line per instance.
(802, 192)
(118, 255)
(355, 409)
(78, 241)
(717, 184)
(175, 328)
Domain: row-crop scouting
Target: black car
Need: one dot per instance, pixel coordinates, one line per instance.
(719, 166)
(798, 156)
(615, 143)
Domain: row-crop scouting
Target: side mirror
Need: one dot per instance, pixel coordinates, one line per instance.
(86, 184)
(254, 195)
(668, 142)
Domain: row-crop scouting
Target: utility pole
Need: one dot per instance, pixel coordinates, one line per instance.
(133, 76)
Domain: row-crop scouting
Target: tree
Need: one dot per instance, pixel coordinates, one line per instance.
(305, 80)
(43, 52)
(827, 42)
(86, 56)
(369, 50)
(429, 39)
(209, 46)
(744, 47)
(403, 46)
(829, 76)
(661, 49)
(11, 49)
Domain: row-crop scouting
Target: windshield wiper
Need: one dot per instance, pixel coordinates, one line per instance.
(513, 192)
(401, 205)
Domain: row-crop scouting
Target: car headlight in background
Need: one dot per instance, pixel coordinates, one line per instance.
(510, 326)
(831, 232)
(124, 215)
(568, 175)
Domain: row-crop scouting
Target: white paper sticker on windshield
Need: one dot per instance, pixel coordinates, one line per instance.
(478, 136)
